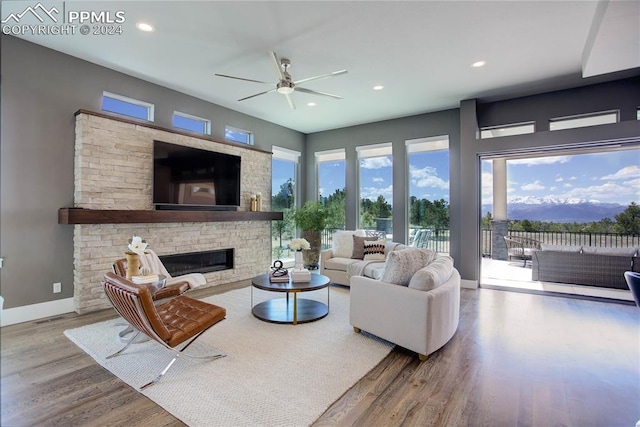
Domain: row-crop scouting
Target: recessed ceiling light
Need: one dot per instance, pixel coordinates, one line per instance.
(143, 26)
(378, 87)
(479, 64)
(311, 104)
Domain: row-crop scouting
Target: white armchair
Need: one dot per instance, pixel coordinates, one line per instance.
(418, 320)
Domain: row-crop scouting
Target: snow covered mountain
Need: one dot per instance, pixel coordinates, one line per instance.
(558, 210)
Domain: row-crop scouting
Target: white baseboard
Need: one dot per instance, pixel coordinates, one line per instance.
(27, 313)
(468, 284)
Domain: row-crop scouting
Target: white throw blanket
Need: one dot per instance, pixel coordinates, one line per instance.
(153, 263)
(357, 268)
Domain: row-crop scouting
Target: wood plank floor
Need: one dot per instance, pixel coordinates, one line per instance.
(516, 360)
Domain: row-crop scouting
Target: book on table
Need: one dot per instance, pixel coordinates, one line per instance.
(282, 278)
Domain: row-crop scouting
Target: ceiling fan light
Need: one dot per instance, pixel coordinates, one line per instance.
(285, 90)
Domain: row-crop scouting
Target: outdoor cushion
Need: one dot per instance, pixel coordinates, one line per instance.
(560, 248)
(608, 251)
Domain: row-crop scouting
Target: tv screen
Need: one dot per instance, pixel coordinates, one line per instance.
(186, 177)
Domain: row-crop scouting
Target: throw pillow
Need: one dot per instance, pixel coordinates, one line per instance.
(343, 242)
(358, 246)
(401, 265)
(433, 275)
(374, 250)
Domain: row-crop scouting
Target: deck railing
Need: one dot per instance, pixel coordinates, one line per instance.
(606, 240)
(440, 239)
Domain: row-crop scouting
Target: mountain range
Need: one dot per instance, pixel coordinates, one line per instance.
(553, 209)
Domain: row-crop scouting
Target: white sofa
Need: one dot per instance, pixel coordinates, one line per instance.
(336, 268)
(419, 320)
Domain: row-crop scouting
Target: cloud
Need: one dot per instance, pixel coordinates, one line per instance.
(608, 192)
(624, 173)
(559, 179)
(375, 163)
(567, 185)
(378, 180)
(487, 188)
(535, 185)
(372, 193)
(540, 161)
(427, 177)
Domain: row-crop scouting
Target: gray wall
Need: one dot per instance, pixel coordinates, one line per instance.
(41, 91)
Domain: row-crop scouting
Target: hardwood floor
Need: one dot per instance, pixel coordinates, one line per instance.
(516, 359)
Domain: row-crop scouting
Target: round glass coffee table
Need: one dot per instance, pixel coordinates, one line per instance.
(282, 310)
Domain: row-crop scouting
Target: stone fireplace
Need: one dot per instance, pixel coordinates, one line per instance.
(113, 171)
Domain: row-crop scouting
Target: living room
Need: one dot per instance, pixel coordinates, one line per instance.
(44, 88)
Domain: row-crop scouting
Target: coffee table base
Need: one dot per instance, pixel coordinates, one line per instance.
(280, 311)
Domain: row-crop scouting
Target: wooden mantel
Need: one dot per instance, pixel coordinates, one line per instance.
(104, 216)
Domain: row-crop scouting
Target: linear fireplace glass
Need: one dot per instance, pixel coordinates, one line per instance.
(198, 262)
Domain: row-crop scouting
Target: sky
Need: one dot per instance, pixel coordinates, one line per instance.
(612, 177)
(603, 177)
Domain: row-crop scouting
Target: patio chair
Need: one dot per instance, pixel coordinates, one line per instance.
(177, 321)
(421, 238)
(521, 248)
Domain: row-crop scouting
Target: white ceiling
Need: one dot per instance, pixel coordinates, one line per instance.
(421, 51)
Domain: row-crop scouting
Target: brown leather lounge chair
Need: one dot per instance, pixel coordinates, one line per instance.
(179, 320)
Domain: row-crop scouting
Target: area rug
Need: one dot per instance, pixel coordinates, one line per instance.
(273, 375)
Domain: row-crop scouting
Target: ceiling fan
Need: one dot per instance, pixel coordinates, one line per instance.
(286, 85)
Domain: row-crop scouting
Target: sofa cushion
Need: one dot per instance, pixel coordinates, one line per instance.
(401, 265)
(358, 246)
(433, 275)
(374, 250)
(339, 263)
(343, 242)
(608, 251)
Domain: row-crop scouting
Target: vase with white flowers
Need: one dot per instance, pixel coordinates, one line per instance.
(136, 248)
(299, 245)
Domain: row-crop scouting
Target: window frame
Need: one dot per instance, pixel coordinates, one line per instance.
(583, 120)
(250, 136)
(383, 149)
(201, 120)
(422, 145)
(511, 129)
(147, 105)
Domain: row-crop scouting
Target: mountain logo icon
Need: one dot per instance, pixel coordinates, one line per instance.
(38, 11)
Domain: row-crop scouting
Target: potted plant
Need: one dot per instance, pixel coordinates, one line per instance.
(311, 219)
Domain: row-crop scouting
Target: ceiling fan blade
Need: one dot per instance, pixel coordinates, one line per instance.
(290, 101)
(276, 63)
(242, 78)
(320, 77)
(257, 94)
(315, 92)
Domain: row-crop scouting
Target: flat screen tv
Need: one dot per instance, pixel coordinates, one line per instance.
(191, 178)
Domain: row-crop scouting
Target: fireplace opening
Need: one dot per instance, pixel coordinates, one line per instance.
(198, 262)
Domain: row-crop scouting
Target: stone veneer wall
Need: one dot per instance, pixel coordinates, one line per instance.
(114, 170)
